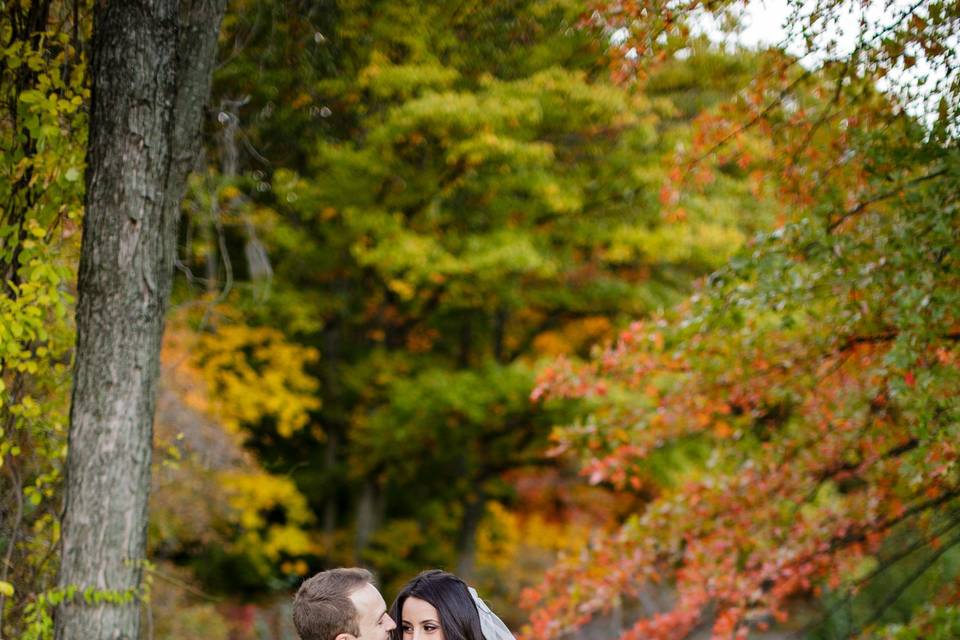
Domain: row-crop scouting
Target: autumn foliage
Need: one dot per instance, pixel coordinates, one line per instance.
(813, 381)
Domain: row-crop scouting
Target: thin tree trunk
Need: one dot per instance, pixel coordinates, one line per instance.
(196, 53)
(466, 342)
(499, 333)
(331, 373)
(368, 515)
(467, 541)
(330, 504)
(149, 88)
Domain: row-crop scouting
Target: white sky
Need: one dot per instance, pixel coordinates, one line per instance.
(763, 24)
(764, 20)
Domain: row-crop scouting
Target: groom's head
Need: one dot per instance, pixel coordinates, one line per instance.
(341, 604)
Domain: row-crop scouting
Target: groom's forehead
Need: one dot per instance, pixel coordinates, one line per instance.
(368, 601)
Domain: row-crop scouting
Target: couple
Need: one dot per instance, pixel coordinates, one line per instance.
(344, 604)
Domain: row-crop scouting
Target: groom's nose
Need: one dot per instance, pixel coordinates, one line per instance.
(391, 625)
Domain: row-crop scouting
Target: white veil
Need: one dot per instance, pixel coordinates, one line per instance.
(491, 625)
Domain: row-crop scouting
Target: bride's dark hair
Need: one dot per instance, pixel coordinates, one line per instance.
(448, 594)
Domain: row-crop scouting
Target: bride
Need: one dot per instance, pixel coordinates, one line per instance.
(437, 605)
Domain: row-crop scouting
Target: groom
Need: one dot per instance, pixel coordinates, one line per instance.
(341, 604)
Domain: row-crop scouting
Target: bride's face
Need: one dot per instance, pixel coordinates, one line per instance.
(420, 620)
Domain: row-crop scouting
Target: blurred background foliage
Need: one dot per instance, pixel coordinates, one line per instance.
(446, 196)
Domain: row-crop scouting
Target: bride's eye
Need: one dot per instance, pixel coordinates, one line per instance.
(407, 628)
(430, 628)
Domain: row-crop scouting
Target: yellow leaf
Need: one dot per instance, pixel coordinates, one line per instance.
(230, 192)
(402, 289)
(6, 589)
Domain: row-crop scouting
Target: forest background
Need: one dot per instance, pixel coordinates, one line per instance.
(639, 331)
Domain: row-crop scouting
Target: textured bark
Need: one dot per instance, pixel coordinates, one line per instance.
(196, 53)
(148, 95)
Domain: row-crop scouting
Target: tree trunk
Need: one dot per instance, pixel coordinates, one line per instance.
(336, 422)
(196, 54)
(473, 512)
(466, 342)
(499, 333)
(148, 94)
(368, 515)
(330, 504)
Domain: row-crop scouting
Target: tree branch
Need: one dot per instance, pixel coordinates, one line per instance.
(859, 208)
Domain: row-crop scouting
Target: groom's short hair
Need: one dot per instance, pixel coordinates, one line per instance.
(322, 608)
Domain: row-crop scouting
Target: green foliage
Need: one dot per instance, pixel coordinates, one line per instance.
(42, 145)
(443, 212)
(38, 613)
(932, 623)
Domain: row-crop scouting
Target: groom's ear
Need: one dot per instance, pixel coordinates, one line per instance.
(345, 636)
